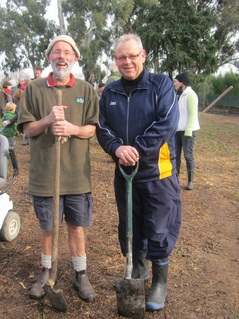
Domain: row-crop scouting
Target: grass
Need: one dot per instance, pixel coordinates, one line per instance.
(218, 134)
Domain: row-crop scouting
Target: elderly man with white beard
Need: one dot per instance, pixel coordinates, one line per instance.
(42, 119)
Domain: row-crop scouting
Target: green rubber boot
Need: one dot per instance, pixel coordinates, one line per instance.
(158, 292)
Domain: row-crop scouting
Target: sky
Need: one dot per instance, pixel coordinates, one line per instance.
(52, 11)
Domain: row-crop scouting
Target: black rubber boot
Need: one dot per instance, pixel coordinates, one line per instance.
(158, 292)
(83, 286)
(140, 266)
(37, 290)
(190, 185)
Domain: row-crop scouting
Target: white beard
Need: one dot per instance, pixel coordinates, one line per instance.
(60, 74)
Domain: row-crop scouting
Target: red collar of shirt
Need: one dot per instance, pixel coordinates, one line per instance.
(50, 81)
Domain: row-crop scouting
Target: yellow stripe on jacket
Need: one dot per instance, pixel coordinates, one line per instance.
(164, 163)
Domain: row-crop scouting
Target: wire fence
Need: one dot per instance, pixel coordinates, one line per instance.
(226, 101)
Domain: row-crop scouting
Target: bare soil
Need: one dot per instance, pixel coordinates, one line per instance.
(204, 267)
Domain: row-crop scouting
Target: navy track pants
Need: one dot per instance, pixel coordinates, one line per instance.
(156, 216)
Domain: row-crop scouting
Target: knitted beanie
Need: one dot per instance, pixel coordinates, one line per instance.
(183, 78)
(65, 38)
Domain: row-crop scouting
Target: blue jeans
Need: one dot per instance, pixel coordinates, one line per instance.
(185, 143)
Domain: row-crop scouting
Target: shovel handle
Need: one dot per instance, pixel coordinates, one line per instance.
(129, 177)
(56, 203)
(129, 219)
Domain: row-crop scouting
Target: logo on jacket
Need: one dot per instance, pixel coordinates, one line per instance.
(80, 100)
(112, 103)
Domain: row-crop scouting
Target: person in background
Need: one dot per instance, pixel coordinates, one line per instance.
(115, 74)
(13, 87)
(42, 119)
(11, 129)
(26, 139)
(5, 96)
(21, 81)
(37, 72)
(188, 125)
(138, 120)
(100, 89)
(24, 84)
(17, 100)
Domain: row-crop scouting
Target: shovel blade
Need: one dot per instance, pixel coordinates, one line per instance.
(130, 297)
(56, 298)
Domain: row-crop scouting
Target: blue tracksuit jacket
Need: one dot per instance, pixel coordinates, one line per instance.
(146, 119)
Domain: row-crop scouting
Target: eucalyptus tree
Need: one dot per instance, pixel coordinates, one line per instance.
(24, 33)
(88, 23)
(95, 24)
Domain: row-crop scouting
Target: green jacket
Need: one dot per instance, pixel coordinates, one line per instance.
(11, 129)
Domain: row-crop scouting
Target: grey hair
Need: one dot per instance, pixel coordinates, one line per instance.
(128, 37)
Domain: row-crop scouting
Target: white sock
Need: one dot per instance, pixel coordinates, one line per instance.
(46, 261)
(79, 263)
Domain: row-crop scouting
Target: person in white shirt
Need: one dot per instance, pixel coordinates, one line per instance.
(188, 125)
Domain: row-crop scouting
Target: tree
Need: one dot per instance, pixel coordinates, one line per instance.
(179, 37)
(198, 36)
(25, 33)
(222, 82)
(226, 33)
(96, 24)
(87, 23)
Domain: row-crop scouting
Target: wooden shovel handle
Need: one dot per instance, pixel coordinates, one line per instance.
(56, 201)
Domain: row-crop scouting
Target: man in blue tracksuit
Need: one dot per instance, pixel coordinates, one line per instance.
(138, 120)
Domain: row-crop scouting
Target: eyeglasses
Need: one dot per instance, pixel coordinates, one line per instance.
(131, 57)
(65, 52)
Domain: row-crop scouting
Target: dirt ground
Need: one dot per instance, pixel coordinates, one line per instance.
(204, 267)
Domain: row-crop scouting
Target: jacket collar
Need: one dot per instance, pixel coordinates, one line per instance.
(118, 85)
(188, 88)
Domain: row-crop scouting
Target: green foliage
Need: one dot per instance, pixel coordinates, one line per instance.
(24, 34)
(96, 24)
(178, 37)
(210, 87)
(197, 36)
(88, 25)
(221, 83)
(226, 29)
(203, 86)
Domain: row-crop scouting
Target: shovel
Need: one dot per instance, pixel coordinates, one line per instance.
(130, 292)
(56, 297)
